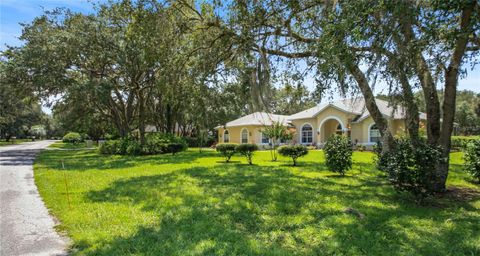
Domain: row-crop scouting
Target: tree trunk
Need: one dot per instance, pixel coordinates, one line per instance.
(411, 116)
(141, 116)
(450, 92)
(432, 104)
(372, 107)
(424, 75)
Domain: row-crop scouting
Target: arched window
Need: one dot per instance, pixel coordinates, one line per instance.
(244, 136)
(307, 133)
(339, 130)
(226, 137)
(374, 134)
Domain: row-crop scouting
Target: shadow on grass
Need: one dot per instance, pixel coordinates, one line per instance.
(229, 162)
(250, 210)
(90, 159)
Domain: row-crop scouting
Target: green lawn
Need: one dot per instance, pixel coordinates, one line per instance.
(13, 142)
(193, 204)
(61, 145)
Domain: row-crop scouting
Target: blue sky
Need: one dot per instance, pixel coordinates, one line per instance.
(13, 12)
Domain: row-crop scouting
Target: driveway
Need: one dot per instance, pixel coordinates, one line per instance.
(26, 228)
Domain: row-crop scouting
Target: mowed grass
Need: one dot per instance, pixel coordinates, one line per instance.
(13, 142)
(61, 145)
(194, 204)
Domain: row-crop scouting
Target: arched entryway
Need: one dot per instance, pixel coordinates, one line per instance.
(330, 126)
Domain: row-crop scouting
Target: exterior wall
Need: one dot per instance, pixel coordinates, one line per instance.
(361, 130)
(254, 134)
(357, 133)
(398, 127)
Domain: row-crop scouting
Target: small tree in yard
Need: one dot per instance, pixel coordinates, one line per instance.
(227, 150)
(247, 150)
(275, 132)
(293, 151)
(472, 158)
(338, 154)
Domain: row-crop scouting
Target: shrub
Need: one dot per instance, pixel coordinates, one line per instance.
(207, 141)
(227, 150)
(131, 147)
(152, 147)
(247, 150)
(154, 144)
(472, 158)
(338, 154)
(361, 148)
(175, 147)
(109, 147)
(459, 142)
(72, 137)
(293, 151)
(410, 167)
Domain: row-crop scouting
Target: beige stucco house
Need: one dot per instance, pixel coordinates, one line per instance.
(248, 129)
(313, 126)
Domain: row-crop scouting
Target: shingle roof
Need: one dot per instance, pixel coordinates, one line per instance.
(258, 118)
(357, 107)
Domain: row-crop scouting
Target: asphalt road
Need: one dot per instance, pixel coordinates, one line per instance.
(26, 227)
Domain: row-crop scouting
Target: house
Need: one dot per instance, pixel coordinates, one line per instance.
(313, 126)
(248, 129)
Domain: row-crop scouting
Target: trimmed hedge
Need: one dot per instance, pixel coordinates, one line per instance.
(72, 137)
(227, 150)
(293, 151)
(247, 150)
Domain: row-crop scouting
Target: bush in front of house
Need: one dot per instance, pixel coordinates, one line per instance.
(338, 154)
(293, 151)
(247, 151)
(410, 166)
(472, 158)
(227, 150)
(72, 137)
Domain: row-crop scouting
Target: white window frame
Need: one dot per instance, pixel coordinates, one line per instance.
(370, 134)
(228, 136)
(301, 134)
(241, 135)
